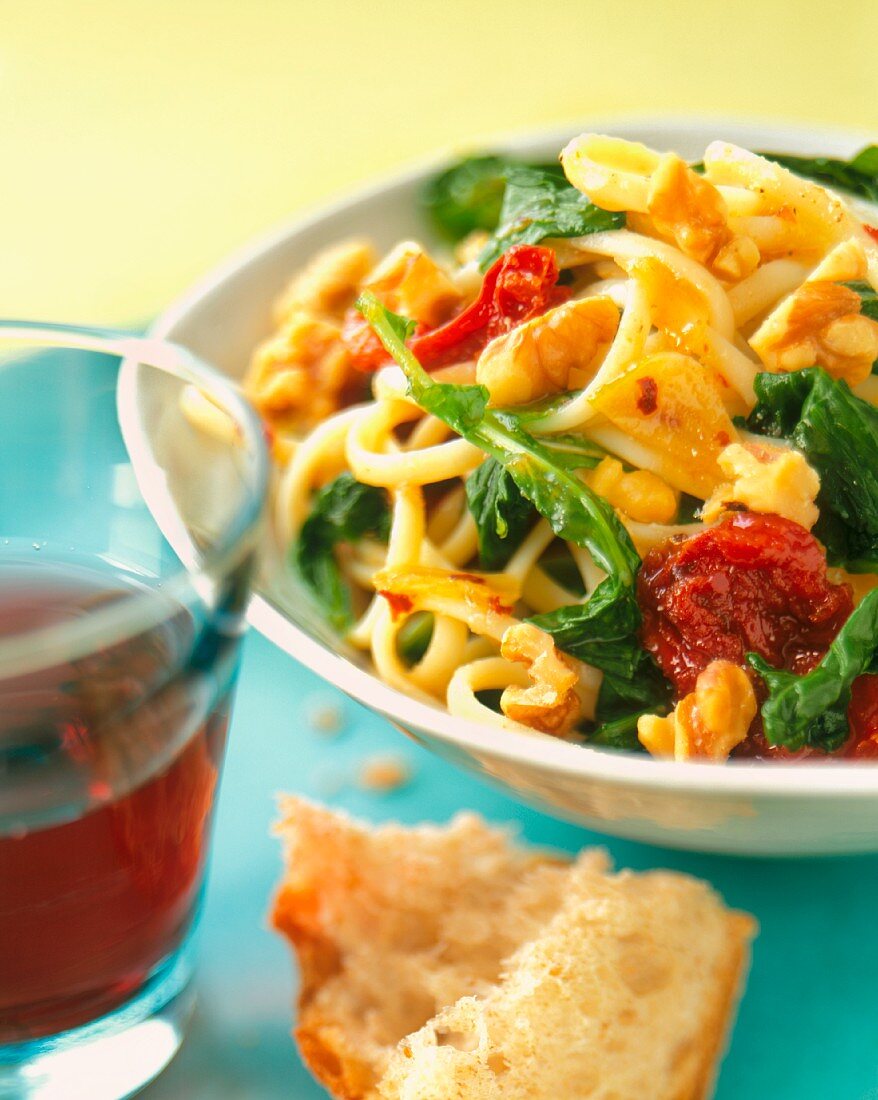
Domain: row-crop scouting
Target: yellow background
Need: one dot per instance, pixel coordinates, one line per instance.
(140, 141)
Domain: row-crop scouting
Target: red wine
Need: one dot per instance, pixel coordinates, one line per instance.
(108, 772)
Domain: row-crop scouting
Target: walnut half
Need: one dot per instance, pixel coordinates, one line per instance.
(556, 351)
(778, 480)
(821, 323)
(709, 722)
(549, 703)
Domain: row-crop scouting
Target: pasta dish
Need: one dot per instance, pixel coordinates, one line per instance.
(605, 466)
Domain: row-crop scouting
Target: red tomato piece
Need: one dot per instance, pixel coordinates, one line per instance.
(863, 718)
(754, 583)
(367, 351)
(757, 748)
(520, 285)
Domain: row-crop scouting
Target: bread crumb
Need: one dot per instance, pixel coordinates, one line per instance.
(325, 716)
(384, 773)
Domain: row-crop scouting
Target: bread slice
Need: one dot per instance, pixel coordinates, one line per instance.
(444, 963)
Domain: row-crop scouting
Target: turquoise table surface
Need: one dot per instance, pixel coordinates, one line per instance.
(808, 1024)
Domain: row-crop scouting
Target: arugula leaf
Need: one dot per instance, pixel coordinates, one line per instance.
(689, 508)
(490, 698)
(602, 631)
(574, 512)
(465, 197)
(343, 511)
(502, 513)
(811, 710)
(544, 406)
(780, 401)
(413, 637)
(559, 564)
(403, 327)
(647, 692)
(472, 193)
(469, 194)
(573, 452)
(858, 175)
(619, 733)
(838, 434)
(538, 204)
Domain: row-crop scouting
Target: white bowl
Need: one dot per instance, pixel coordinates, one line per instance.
(751, 808)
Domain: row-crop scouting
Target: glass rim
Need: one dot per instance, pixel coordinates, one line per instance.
(136, 610)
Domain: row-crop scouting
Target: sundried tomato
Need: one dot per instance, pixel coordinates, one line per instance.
(754, 583)
(756, 747)
(863, 718)
(520, 285)
(366, 350)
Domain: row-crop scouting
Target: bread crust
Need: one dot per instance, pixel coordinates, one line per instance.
(719, 1020)
(322, 1045)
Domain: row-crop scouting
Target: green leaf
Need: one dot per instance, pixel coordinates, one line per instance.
(413, 637)
(574, 512)
(573, 452)
(545, 406)
(402, 326)
(811, 710)
(602, 631)
(538, 204)
(780, 401)
(647, 692)
(503, 515)
(858, 175)
(866, 162)
(460, 407)
(689, 509)
(619, 733)
(469, 194)
(838, 434)
(343, 511)
(465, 197)
(560, 566)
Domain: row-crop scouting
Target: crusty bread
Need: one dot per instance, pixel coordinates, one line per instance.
(447, 964)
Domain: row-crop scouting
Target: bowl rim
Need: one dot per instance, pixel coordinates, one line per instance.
(540, 752)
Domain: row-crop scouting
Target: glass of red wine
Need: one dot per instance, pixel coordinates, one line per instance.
(119, 640)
